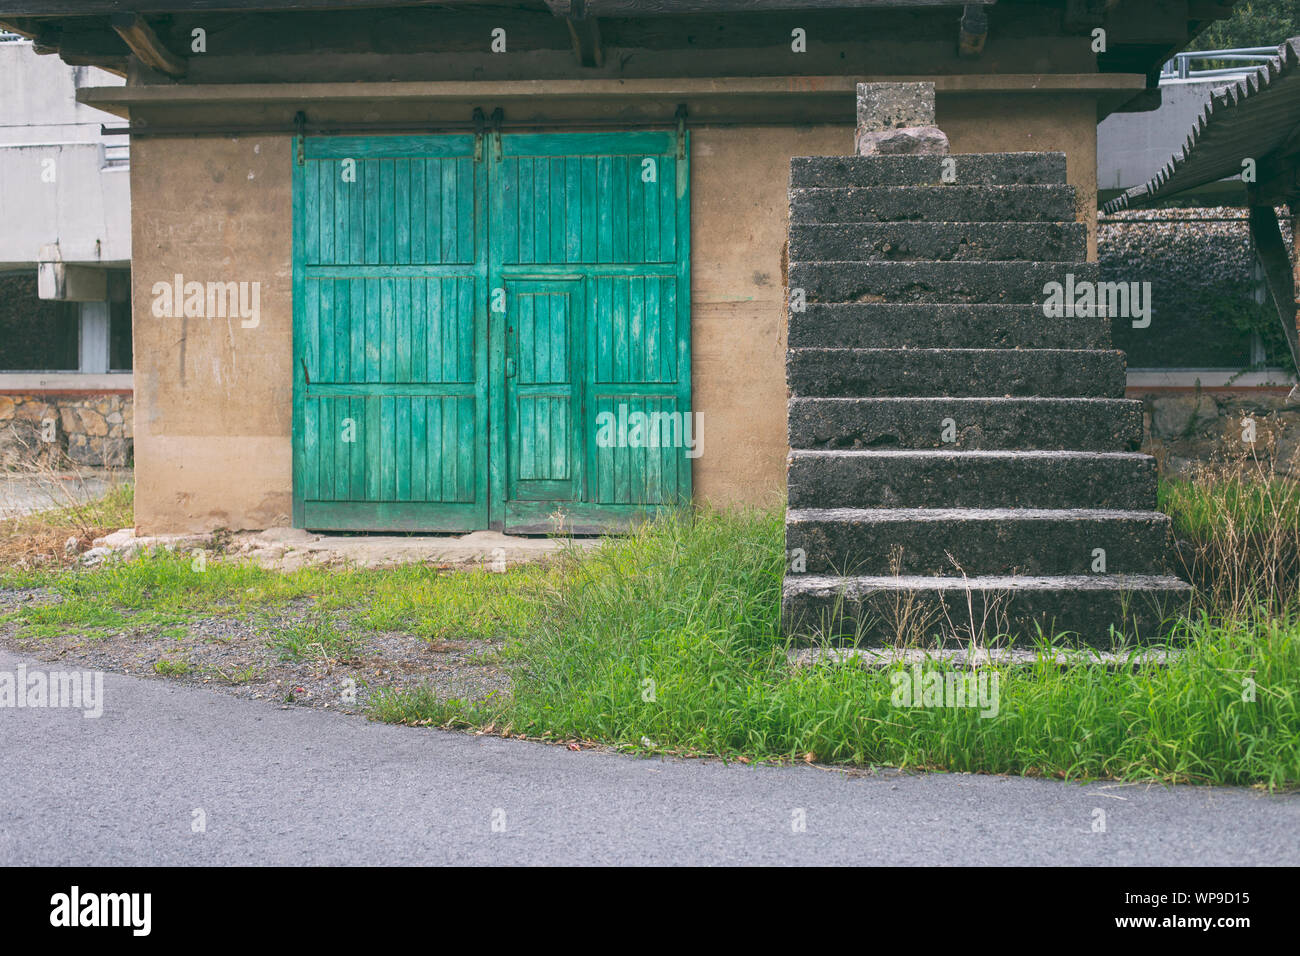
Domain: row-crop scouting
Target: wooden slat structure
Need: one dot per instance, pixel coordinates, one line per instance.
(1140, 35)
(1251, 127)
(466, 313)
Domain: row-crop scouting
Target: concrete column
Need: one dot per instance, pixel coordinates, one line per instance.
(898, 119)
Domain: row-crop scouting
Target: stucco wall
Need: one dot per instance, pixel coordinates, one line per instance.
(213, 399)
(1026, 122)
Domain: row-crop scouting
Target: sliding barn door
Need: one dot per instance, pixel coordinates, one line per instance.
(391, 425)
(590, 242)
(477, 323)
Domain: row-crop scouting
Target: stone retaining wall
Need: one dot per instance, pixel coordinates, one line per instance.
(1201, 268)
(58, 430)
(1188, 426)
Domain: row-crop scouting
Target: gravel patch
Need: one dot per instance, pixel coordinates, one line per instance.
(239, 654)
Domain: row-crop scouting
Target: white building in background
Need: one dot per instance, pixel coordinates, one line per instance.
(65, 228)
(65, 257)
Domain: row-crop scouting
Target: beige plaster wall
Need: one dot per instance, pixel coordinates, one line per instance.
(214, 399)
(1013, 123)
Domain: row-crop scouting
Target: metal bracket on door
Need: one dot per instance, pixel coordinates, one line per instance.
(480, 121)
(680, 116)
(498, 117)
(300, 124)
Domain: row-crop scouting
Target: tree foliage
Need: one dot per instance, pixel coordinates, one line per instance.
(1253, 23)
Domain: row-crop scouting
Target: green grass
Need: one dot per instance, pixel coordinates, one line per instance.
(1254, 506)
(317, 637)
(463, 604)
(163, 589)
(685, 612)
(169, 667)
(667, 639)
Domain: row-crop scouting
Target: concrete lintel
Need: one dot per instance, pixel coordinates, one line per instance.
(66, 383)
(120, 99)
(1139, 379)
(65, 282)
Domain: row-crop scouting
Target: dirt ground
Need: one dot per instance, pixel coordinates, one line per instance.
(238, 655)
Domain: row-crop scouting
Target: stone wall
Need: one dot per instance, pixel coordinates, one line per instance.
(1186, 426)
(1200, 264)
(59, 430)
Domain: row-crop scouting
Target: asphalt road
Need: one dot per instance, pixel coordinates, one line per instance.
(304, 786)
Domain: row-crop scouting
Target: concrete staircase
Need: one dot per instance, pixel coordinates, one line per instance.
(956, 455)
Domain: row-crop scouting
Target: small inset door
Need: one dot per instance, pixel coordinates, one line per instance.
(543, 404)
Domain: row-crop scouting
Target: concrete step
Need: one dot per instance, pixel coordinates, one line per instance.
(875, 610)
(939, 241)
(975, 373)
(983, 169)
(929, 325)
(977, 541)
(967, 282)
(932, 204)
(1052, 424)
(972, 479)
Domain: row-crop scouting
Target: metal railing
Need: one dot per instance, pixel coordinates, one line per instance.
(1180, 67)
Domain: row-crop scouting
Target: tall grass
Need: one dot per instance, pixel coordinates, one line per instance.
(669, 640)
(39, 539)
(1237, 525)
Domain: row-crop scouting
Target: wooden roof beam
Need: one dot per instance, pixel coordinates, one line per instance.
(974, 31)
(561, 8)
(585, 32)
(146, 45)
(657, 8)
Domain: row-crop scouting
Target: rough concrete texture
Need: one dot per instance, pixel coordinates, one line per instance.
(838, 204)
(886, 106)
(955, 542)
(968, 169)
(1083, 607)
(287, 549)
(926, 373)
(923, 325)
(912, 141)
(1013, 283)
(1016, 538)
(1096, 424)
(937, 478)
(938, 241)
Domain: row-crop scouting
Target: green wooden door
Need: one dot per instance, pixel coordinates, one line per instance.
(543, 405)
(466, 318)
(390, 335)
(590, 240)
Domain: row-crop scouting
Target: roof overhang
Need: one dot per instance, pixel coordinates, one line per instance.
(1255, 122)
(721, 100)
